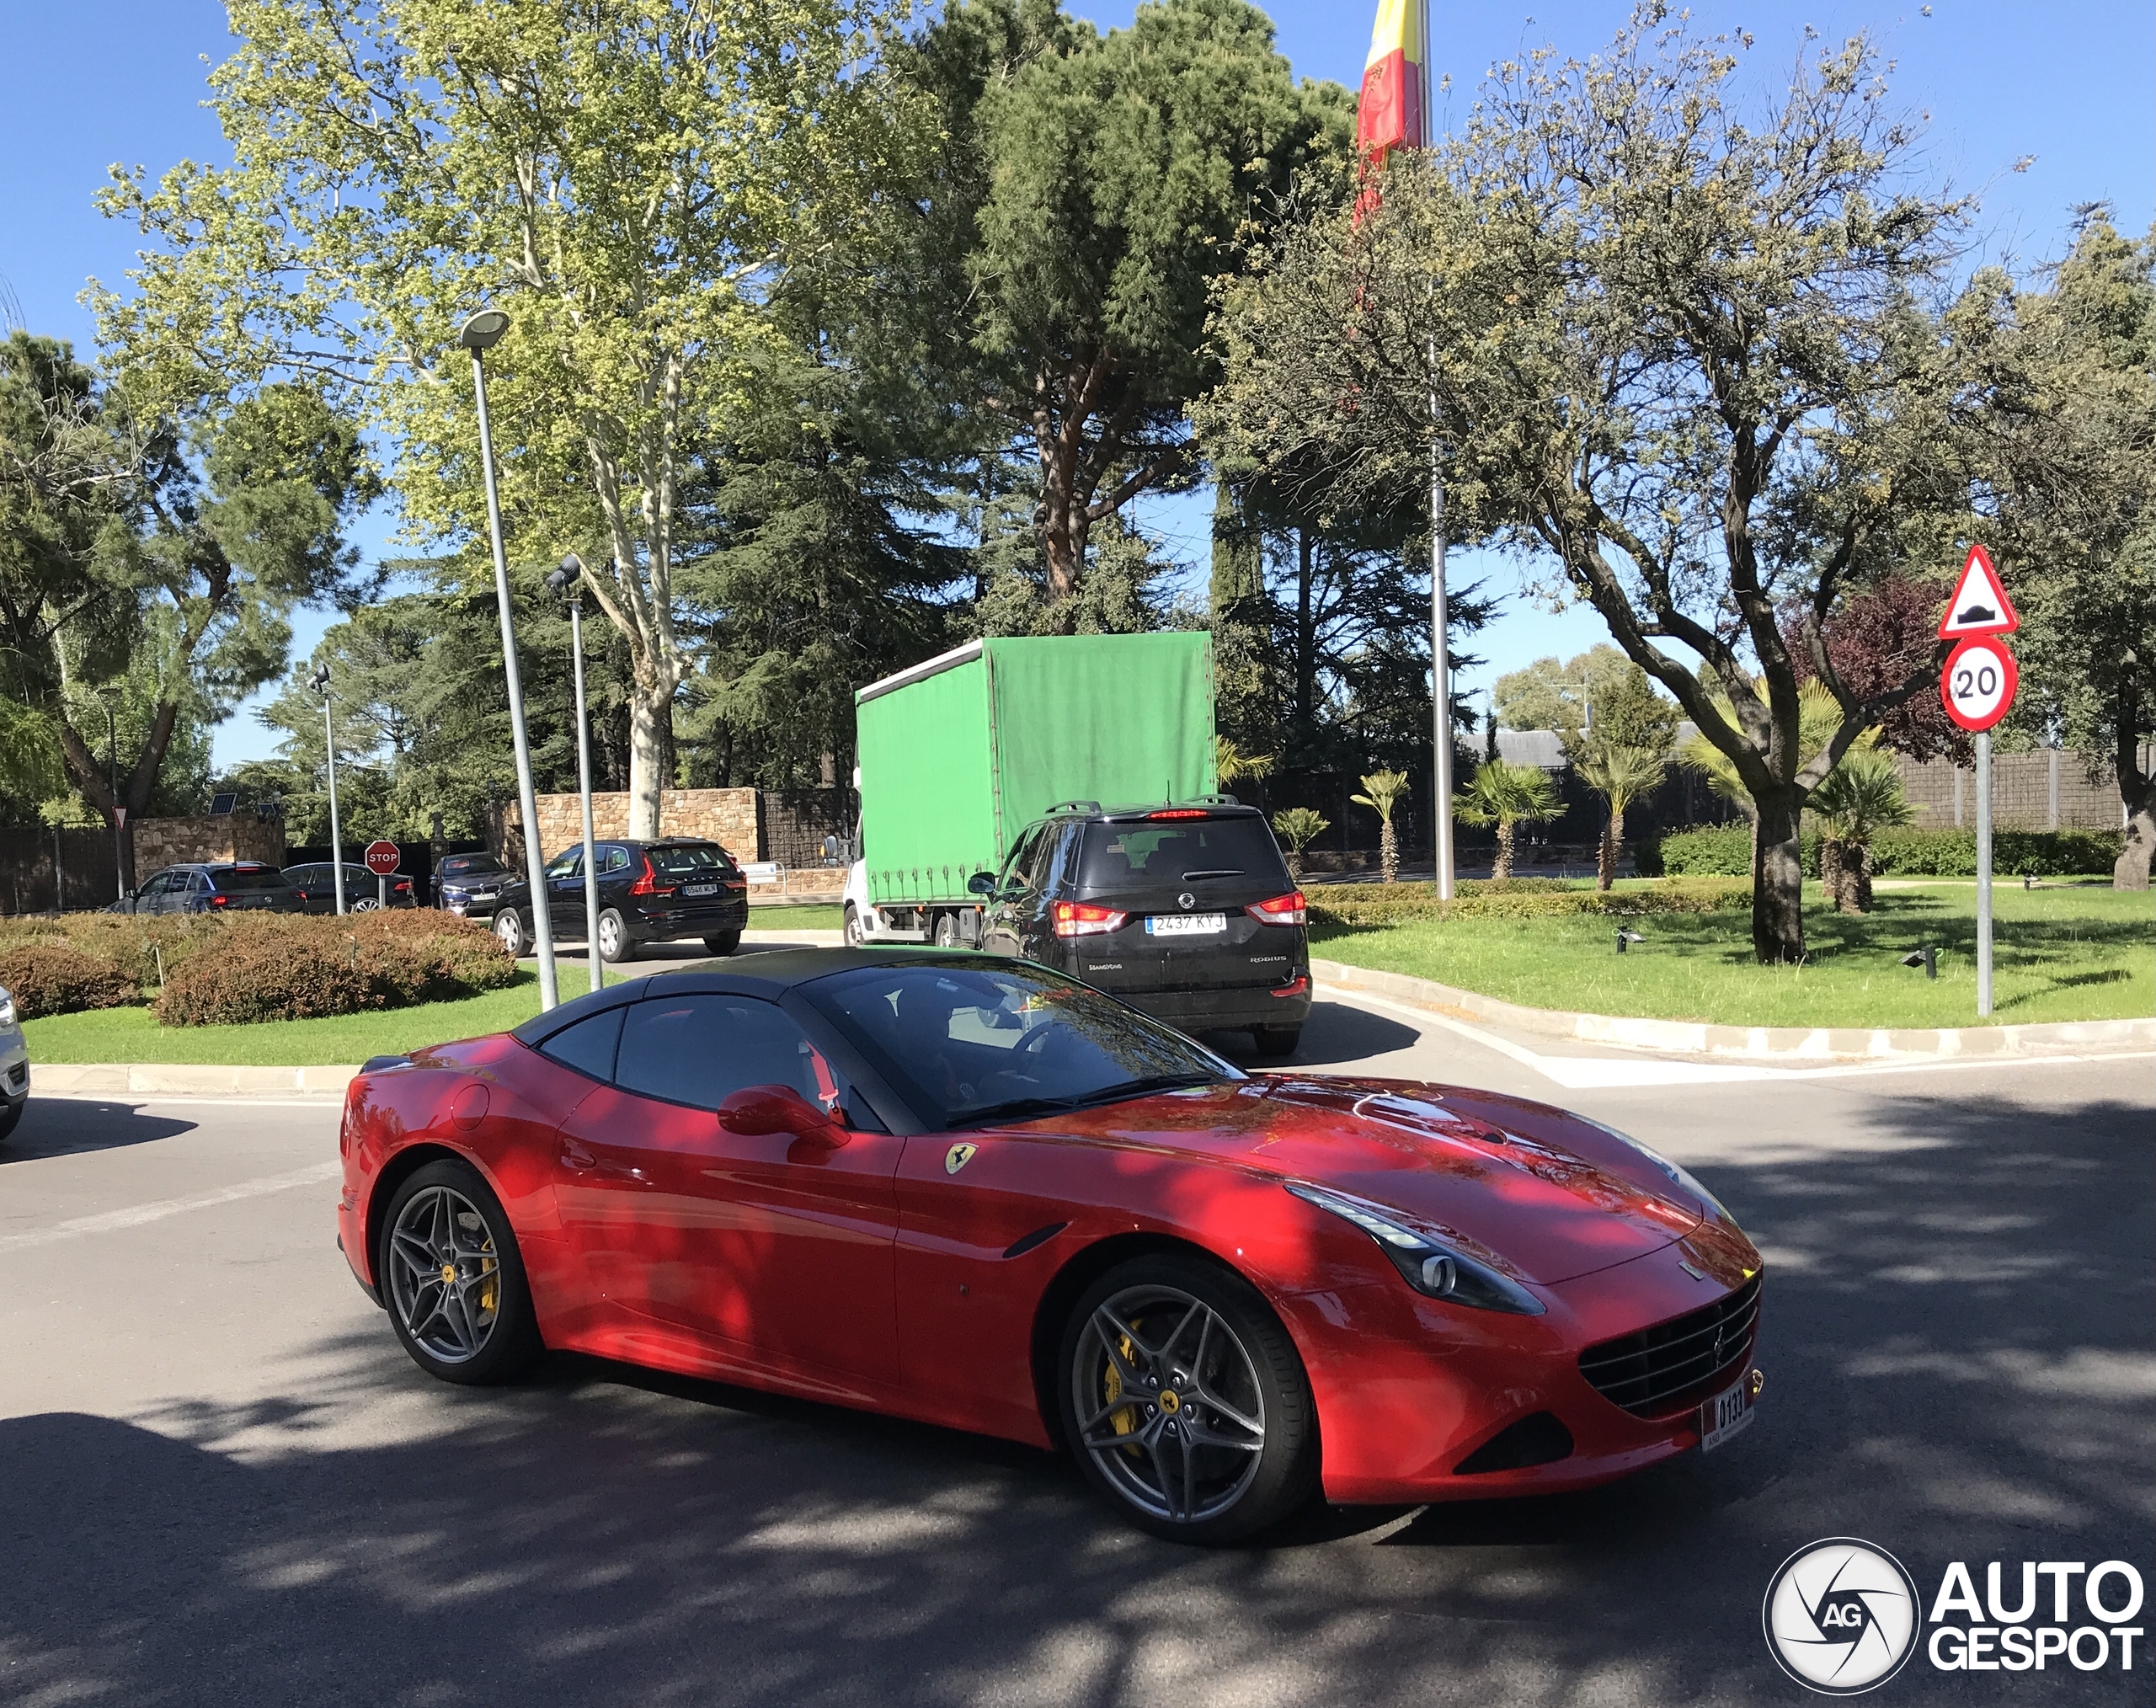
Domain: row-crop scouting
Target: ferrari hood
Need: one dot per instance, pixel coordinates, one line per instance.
(1496, 1172)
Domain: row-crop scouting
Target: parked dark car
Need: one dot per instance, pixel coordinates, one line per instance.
(1184, 911)
(231, 886)
(315, 885)
(648, 893)
(469, 884)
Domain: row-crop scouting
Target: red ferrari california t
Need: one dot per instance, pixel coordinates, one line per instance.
(977, 1192)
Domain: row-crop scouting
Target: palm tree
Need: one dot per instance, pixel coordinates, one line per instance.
(1621, 776)
(1230, 764)
(1299, 827)
(1385, 788)
(1818, 716)
(1861, 797)
(1507, 795)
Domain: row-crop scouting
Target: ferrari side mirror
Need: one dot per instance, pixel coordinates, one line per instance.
(754, 1110)
(981, 884)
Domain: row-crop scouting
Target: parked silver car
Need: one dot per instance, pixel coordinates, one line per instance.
(15, 1065)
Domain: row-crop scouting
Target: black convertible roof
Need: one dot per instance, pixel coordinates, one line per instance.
(768, 973)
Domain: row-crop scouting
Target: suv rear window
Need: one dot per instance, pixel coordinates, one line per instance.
(686, 859)
(233, 878)
(1179, 851)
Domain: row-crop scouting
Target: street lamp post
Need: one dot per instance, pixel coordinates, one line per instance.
(320, 681)
(565, 580)
(479, 334)
(119, 812)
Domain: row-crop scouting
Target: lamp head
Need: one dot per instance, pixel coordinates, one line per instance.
(566, 575)
(484, 330)
(320, 681)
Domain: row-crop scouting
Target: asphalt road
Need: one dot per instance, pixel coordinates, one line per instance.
(222, 1482)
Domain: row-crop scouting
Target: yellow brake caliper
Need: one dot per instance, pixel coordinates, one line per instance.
(1124, 1420)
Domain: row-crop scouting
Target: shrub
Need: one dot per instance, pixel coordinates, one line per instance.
(1349, 905)
(1726, 850)
(50, 978)
(288, 968)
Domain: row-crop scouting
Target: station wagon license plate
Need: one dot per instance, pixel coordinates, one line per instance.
(1184, 925)
(1726, 1416)
(700, 890)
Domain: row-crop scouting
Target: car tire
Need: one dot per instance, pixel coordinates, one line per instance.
(725, 943)
(510, 931)
(615, 943)
(367, 904)
(946, 934)
(1236, 1451)
(1274, 1041)
(480, 1327)
(855, 933)
(11, 1117)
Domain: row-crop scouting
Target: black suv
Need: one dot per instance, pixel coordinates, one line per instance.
(648, 893)
(1186, 911)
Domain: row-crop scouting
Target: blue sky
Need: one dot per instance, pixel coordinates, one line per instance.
(97, 81)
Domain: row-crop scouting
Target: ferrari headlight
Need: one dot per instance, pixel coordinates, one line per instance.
(1426, 1262)
(1678, 1172)
(7, 1006)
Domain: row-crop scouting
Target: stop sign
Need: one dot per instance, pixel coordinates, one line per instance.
(382, 858)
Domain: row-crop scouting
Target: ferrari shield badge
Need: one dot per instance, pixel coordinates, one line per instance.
(958, 1157)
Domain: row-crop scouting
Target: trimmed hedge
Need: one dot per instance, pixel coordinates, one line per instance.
(253, 967)
(1725, 851)
(1388, 903)
(50, 978)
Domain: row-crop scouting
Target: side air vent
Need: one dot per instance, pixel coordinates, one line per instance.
(1538, 1438)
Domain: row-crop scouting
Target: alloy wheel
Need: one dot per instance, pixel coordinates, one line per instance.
(610, 938)
(1169, 1404)
(445, 1275)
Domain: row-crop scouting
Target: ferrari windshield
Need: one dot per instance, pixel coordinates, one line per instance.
(971, 1042)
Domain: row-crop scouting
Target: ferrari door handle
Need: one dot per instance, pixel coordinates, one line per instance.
(574, 1156)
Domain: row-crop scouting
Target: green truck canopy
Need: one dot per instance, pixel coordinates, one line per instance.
(959, 754)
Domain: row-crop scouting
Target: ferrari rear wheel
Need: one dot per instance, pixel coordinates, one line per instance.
(1185, 1403)
(452, 1278)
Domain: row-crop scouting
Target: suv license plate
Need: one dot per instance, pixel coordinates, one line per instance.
(700, 890)
(1726, 1417)
(1184, 925)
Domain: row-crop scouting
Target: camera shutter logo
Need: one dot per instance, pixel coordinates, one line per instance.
(1841, 1616)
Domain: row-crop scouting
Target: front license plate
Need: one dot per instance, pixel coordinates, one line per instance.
(700, 890)
(1726, 1417)
(1184, 925)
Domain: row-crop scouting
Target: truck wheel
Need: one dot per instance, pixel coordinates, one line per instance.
(947, 931)
(1276, 1040)
(856, 936)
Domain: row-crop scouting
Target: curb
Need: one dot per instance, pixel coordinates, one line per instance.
(186, 1080)
(1785, 1044)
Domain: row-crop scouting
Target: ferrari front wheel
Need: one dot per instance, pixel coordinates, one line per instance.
(452, 1278)
(1185, 1403)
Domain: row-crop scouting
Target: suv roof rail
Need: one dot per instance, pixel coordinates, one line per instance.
(1074, 807)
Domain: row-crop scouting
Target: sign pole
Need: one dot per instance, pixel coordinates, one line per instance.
(1441, 851)
(1984, 874)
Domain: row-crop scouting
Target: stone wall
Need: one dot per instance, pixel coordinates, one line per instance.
(727, 817)
(160, 842)
(2046, 790)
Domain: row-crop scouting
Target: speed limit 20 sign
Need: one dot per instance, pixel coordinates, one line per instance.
(1977, 685)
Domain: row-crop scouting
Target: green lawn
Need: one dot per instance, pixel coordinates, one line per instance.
(133, 1035)
(796, 919)
(2073, 953)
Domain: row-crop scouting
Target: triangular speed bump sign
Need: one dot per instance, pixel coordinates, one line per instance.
(1980, 605)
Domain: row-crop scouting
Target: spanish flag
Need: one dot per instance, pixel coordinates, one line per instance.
(1389, 114)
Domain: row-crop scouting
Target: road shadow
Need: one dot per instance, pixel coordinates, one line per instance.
(72, 1126)
(1334, 1032)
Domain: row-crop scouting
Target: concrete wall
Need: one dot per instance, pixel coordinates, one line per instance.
(160, 842)
(727, 817)
(2046, 790)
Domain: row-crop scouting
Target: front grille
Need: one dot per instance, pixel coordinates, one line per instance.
(1664, 1368)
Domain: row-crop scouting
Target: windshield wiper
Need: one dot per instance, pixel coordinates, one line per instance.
(1224, 872)
(1020, 1107)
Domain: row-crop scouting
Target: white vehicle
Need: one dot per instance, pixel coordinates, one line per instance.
(866, 923)
(15, 1066)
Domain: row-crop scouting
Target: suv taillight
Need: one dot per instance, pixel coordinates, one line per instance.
(648, 885)
(1082, 919)
(1288, 910)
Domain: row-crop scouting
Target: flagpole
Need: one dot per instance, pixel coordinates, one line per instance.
(1440, 664)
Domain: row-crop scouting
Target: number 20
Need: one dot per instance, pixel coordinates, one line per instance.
(1985, 680)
